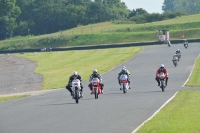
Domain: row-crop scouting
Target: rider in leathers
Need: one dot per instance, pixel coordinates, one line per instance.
(178, 52)
(185, 42)
(71, 78)
(96, 75)
(175, 57)
(124, 71)
(162, 69)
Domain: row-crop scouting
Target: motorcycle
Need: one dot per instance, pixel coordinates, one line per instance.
(169, 43)
(96, 88)
(162, 81)
(124, 83)
(76, 87)
(175, 61)
(186, 45)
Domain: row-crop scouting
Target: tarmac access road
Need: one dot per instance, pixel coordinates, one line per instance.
(113, 112)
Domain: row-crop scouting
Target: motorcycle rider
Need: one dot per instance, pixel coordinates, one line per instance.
(124, 71)
(175, 57)
(185, 42)
(74, 75)
(162, 69)
(178, 52)
(95, 75)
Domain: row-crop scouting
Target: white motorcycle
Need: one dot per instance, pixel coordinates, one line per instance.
(169, 43)
(186, 45)
(124, 85)
(175, 60)
(76, 87)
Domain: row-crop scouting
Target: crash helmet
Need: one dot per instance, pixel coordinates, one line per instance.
(75, 74)
(162, 66)
(123, 70)
(94, 71)
(124, 67)
(178, 50)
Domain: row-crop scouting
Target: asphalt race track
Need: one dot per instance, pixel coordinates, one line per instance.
(113, 112)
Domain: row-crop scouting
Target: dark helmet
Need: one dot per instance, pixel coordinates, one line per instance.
(162, 66)
(123, 70)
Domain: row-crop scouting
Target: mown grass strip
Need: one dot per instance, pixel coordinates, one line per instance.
(56, 67)
(181, 115)
(195, 77)
(8, 98)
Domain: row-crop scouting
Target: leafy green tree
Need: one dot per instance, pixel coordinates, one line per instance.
(186, 6)
(8, 14)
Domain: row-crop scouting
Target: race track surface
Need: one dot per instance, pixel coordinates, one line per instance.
(113, 112)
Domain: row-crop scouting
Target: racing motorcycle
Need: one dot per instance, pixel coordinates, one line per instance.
(175, 61)
(124, 85)
(96, 88)
(162, 81)
(186, 45)
(76, 87)
(169, 43)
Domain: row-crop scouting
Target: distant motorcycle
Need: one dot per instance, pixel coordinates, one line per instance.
(186, 45)
(96, 88)
(76, 87)
(124, 83)
(162, 81)
(169, 43)
(175, 60)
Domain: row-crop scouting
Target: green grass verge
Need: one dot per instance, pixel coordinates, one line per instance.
(181, 115)
(108, 32)
(56, 67)
(195, 77)
(8, 98)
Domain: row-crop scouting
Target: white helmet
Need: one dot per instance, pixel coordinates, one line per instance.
(124, 67)
(162, 66)
(178, 50)
(94, 71)
(75, 74)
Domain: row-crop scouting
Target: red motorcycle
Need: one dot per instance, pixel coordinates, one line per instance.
(96, 88)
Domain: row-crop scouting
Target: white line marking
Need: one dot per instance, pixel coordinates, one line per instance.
(125, 61)
(191, 71)
(134, 131)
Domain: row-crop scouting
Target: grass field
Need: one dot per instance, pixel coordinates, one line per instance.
(8, 98)
(108, 32)
(195, 77)
(182, 115)
(56, 67)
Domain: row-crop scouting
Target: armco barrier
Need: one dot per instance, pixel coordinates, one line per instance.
(98, 46)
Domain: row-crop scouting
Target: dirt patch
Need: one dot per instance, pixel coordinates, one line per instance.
(17, 75)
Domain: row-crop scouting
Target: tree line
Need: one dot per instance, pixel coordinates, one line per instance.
(36, 17)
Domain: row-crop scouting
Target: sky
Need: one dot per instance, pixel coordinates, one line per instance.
(151, 6)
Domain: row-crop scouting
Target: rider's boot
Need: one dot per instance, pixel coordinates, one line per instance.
(158, 81)
(129, 84)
